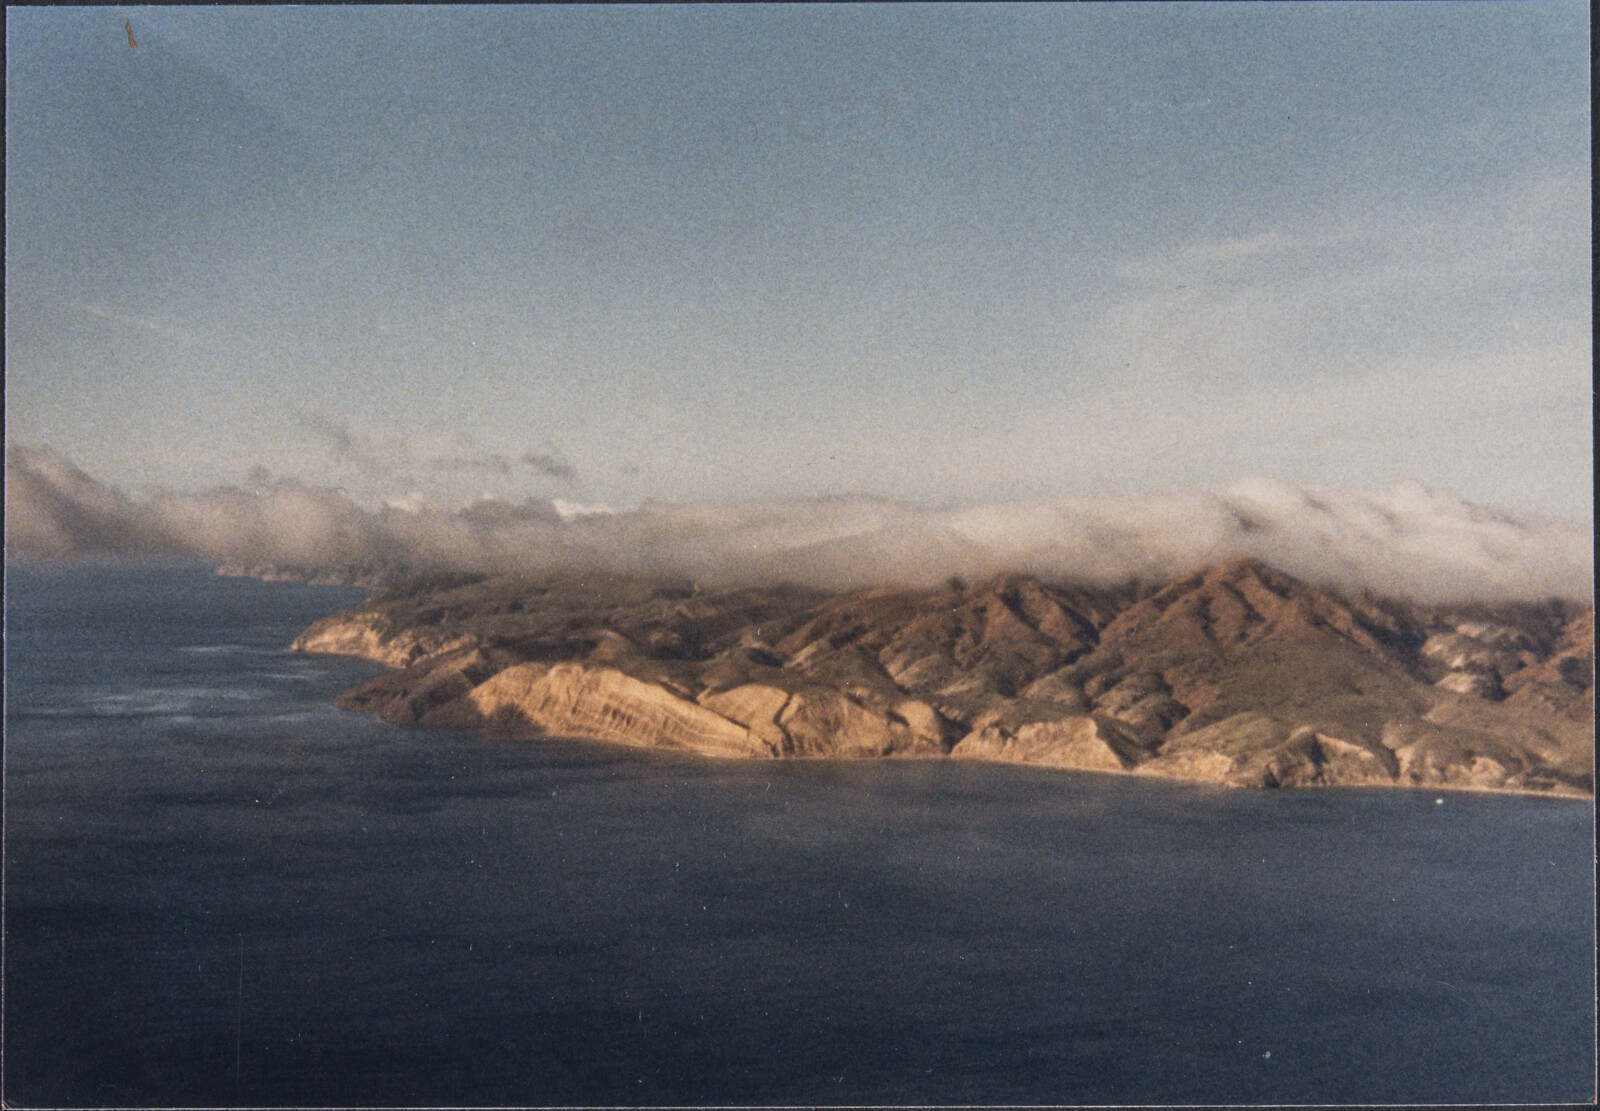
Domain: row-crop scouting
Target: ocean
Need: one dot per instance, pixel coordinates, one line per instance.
(220, 890)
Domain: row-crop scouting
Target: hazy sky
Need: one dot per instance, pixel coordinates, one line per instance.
(942, 254)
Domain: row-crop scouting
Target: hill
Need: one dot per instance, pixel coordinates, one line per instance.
(1239, 674)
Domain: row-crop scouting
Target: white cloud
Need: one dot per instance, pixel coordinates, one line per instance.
(143, 323)
(574, 511)
(1408, 539)
(1453, 346)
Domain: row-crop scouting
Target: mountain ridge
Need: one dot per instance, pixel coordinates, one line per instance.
(1236, 674)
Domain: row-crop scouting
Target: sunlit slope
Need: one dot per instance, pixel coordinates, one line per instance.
(1238, 674)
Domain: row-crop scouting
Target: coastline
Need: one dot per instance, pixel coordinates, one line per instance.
(503, 732)
(1013, 671)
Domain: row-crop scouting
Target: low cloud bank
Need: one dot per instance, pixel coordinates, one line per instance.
(1408, 540)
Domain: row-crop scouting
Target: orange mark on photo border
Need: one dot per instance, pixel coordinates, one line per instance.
(129, 27)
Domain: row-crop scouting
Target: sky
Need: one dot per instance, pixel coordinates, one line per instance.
(940, 256)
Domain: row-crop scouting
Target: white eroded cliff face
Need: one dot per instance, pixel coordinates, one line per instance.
(371, 637)
(571, 699)
(582, 700)
(1074, 742)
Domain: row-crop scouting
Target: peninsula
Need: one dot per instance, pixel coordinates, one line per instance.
(1238, 675)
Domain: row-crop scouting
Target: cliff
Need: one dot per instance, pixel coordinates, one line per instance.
(1238, 675)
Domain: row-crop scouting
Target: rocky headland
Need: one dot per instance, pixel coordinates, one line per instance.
(1236, 675)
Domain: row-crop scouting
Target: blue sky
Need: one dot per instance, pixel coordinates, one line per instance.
(940, 254)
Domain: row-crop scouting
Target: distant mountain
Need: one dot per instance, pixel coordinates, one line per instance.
(1238, 675)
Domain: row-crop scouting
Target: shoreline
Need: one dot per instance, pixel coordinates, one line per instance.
(1236, 676)
(514, 734)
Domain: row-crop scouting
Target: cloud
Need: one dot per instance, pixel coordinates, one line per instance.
(1407, 540)
(145, 324)
(1331, 295)
(1451, 344)
(546, 464)
(572, 511)
(494, 464)
(54, 509)
(396, 456)
(369, 458)
(550, 464)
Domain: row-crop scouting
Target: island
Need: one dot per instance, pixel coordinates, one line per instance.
(1237, 674)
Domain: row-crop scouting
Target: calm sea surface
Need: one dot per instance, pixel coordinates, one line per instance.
(220, 890)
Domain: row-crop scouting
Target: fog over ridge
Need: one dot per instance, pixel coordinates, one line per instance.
(1407, 540)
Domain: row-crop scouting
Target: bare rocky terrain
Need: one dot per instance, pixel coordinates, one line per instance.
(1236, 675)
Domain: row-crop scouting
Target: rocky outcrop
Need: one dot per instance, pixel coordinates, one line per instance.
(374, 637)
(1071, 742)
(602, 703)
(1236, 675)
(1260, 750)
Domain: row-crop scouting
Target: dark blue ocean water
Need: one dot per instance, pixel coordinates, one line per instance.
(219, 890)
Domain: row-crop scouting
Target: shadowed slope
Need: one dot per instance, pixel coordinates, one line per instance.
(1239, 674)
